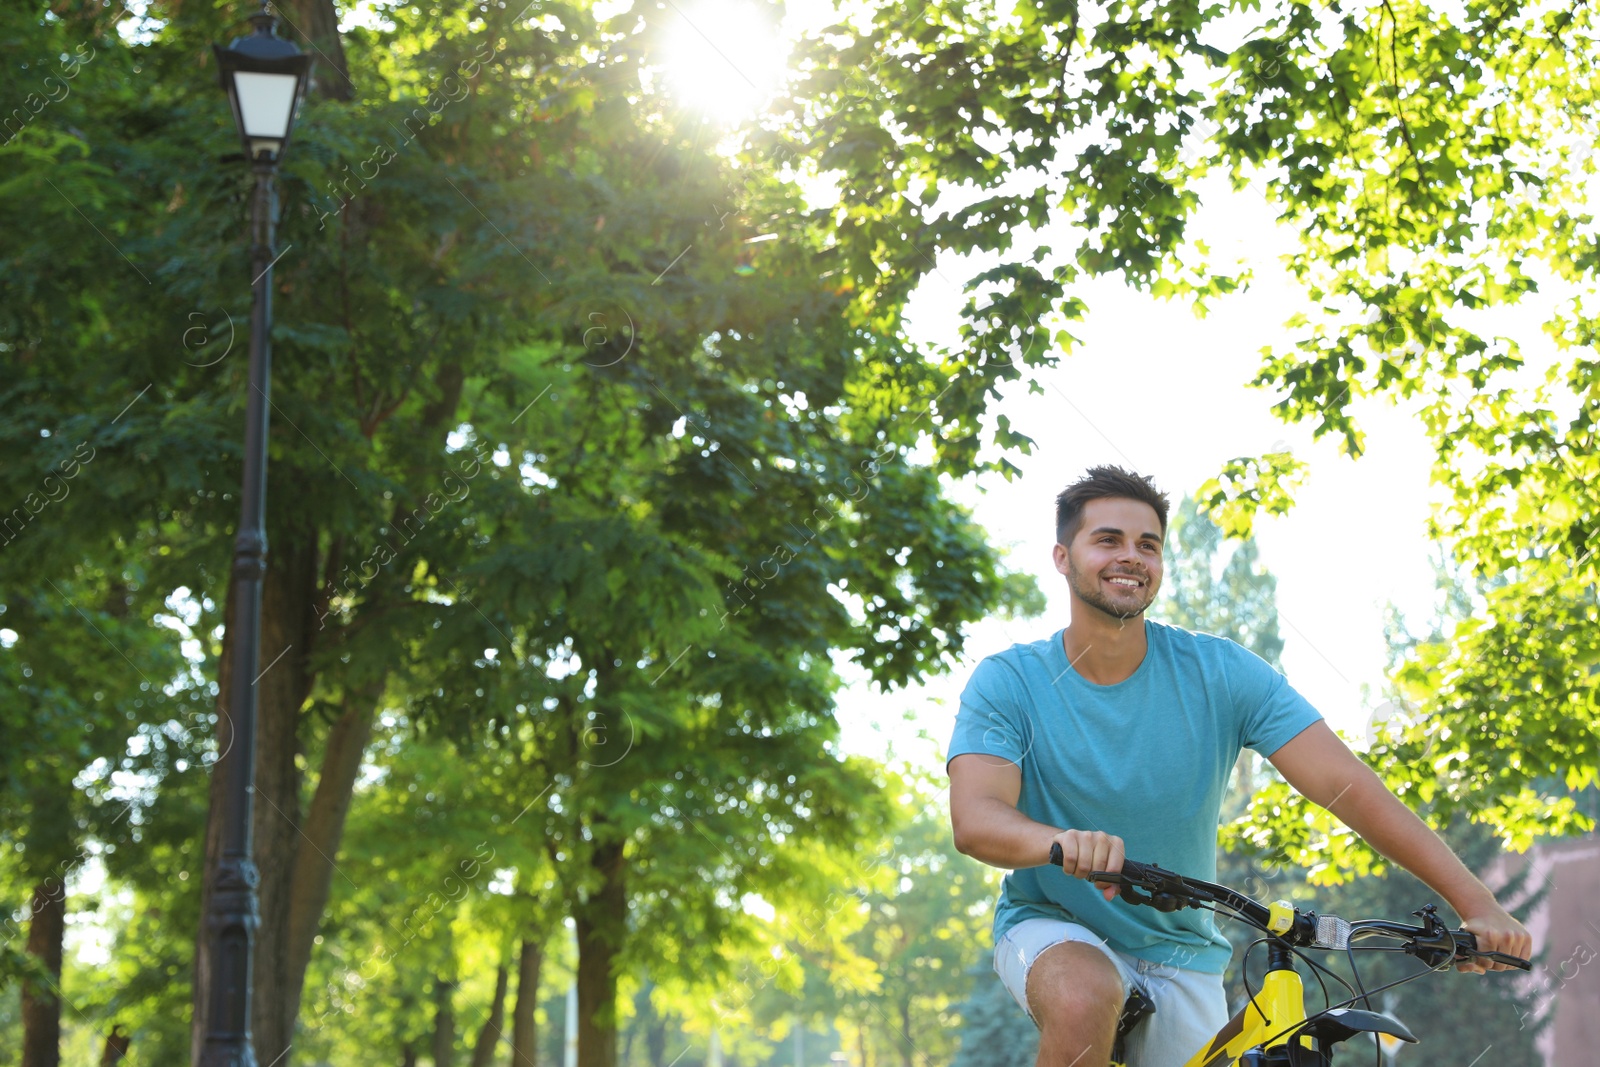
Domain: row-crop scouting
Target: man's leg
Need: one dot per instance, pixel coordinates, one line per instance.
(1075, 995)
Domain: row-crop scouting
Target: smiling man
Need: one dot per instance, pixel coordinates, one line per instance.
(1115, 736)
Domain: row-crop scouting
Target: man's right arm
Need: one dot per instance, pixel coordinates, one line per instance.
(988, 827)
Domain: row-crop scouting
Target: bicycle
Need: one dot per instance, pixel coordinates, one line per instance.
(1273, 1029)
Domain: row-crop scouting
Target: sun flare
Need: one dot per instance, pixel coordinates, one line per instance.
(723, 58)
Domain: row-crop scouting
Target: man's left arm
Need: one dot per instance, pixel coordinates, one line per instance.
(1322, 768)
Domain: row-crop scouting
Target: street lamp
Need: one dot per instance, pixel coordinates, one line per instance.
(265, 78)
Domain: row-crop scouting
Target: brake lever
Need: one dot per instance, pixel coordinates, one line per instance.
(1436, 946)
(1161, 901)
(1500, 957)
(1163, 890)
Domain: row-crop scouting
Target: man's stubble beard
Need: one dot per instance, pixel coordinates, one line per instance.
(1089, 592)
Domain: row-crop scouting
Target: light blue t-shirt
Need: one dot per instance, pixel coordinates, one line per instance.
(1146, 759)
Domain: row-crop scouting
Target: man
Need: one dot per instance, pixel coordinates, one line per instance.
(1115, 737)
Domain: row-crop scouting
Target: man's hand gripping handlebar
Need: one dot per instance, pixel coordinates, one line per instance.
(1164, 890)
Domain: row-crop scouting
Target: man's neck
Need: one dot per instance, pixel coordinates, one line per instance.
(1102, 649)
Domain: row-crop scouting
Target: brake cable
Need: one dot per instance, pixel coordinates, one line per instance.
(1350, 956)
(1365, 993)
(1227, 910)
(1366, 998)
(1244, 974)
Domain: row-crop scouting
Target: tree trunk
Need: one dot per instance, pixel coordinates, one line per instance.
(649, 1024)
(317, 21)
(116, 1049)
(601, 926)
(323, 829)
(641, 1017)
(41, 1006)
(288, 626)
(907, 1048)
(655, 1039)
(489, 1035)
(444, 1022)
(524, 1023)
(408, 1054)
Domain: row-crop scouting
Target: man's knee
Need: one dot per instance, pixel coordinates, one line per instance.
(1074, 988)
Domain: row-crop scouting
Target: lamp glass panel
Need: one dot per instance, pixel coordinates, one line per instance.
(265, 103)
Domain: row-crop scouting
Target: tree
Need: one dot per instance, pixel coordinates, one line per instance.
(923, 931)
(81, 627)
(886, 958)
(995, 1031)
(1239, 603)
(438, 884)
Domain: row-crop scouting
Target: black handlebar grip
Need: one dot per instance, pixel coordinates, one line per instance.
(1467, 942)
(1131, 869)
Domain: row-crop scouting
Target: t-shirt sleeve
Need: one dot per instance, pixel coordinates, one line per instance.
(993, 717)
(1270, 711)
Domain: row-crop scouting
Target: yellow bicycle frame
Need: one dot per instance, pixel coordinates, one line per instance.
(1265, 1021)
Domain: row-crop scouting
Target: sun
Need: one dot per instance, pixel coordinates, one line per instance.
(723, 58)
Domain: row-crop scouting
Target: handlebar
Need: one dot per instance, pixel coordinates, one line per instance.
(1433, 943)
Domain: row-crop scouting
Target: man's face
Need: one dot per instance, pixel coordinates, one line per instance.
(1114, 561)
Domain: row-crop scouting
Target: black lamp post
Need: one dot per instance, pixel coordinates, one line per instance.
(265, 78)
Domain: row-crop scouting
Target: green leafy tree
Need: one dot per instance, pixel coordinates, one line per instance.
(995, 1031)
(1239, 602)
(83, 666)
(923, 932)
(439, 889)
(669, 718)
(880, 964)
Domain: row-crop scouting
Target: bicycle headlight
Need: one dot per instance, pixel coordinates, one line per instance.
(1280, 917)
(1332, 932)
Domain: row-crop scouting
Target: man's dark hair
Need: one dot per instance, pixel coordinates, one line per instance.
(1097, 484)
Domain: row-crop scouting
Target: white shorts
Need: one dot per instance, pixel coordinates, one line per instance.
(1190, 1005)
